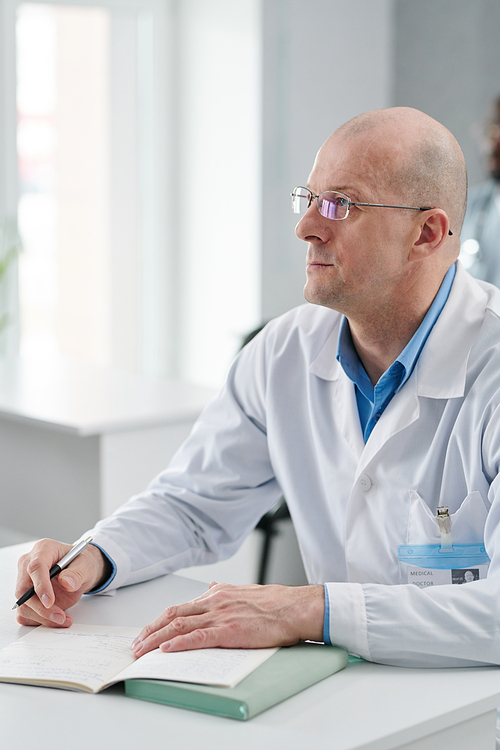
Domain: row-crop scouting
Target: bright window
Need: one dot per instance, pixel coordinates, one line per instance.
(137, 131)
(64, 164)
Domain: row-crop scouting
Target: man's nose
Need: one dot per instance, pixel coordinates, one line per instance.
(312, 224)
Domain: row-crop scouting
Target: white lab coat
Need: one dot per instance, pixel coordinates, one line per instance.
(287, 422)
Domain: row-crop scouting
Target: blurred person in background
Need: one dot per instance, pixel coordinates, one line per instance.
(480, 250)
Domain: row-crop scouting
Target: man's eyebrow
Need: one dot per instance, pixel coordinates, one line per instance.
(347, 190)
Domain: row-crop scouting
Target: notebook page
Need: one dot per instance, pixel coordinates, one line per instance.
(86, 655)
(10, 630)
(222, 667)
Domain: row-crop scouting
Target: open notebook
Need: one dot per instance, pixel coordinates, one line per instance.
(236, 683)
(90, 658)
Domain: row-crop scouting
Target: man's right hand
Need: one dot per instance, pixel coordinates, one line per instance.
(52, 597)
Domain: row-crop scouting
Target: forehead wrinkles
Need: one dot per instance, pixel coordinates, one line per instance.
(368, 160)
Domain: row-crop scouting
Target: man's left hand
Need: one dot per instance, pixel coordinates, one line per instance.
(238, 617)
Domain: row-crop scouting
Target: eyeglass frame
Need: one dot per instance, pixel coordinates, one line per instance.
(353, 203)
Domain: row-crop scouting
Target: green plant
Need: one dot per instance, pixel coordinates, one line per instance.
(10, 245)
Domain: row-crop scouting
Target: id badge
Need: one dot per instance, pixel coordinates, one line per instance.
(426, 565)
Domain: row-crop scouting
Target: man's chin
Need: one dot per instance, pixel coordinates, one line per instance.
(320, 297)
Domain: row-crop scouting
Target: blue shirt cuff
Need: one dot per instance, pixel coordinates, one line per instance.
(326, 621)
(113, 571)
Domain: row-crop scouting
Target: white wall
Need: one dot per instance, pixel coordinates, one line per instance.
(218, 184)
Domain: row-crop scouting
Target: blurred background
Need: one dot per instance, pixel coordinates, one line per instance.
(147, 153)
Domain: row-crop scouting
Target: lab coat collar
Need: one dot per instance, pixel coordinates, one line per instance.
(441, 368)
(442, 365)
(325, 365)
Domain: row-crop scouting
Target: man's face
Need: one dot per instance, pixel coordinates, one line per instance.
(356, 264)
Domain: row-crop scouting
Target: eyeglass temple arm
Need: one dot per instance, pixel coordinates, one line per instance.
(411, 208)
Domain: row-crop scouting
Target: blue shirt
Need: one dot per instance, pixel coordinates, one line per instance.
(372, 400)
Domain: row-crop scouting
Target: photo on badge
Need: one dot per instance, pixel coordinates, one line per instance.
(462, 575)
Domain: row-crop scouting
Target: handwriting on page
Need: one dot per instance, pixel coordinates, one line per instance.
(93, 656)
(78, 655)
(211, 666)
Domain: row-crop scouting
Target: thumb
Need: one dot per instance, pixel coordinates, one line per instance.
(71, 579)
(84, 572)
(77, 575)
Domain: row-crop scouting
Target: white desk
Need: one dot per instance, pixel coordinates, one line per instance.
(365, 707)
(77, 441)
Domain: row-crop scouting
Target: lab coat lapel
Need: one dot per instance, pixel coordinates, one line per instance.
(442, 365)
(347, 407)
(441, 369)
(401, 412)
(327, 367)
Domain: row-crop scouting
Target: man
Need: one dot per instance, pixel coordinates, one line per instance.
(369, 409)
(481, 231)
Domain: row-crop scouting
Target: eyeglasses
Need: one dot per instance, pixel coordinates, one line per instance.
(336, 206)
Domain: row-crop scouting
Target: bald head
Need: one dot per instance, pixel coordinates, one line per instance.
(417, 158)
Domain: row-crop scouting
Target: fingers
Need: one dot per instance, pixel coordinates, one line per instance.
(33, 570)
(54, 619)
(52, 597)
(188, 626)
(199, 638)
(183, 634)
(177, 620)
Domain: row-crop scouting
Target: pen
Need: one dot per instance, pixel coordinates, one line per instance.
(55, 569)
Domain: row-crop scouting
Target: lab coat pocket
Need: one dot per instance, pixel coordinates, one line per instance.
(425, 561)
(467, 522)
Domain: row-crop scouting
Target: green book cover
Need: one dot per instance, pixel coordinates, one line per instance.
(284, 674)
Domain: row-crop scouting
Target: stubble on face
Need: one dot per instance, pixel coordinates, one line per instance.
(342, 267)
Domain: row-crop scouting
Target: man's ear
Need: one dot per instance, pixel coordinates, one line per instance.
(434, 227)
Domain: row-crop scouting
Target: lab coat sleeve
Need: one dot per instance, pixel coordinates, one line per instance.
(403, 625)
(216, 488)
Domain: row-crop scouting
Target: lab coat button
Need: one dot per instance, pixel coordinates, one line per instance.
(365, 482)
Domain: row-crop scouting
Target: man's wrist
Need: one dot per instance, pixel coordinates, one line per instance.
(312, 612)
(106, 569)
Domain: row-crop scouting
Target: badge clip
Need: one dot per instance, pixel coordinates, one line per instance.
(444, 523)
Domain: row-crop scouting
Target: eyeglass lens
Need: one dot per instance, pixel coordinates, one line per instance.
(330, 205)
(333, 205)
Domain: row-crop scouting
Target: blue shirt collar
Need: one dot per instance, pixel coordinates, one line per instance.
(348, 356)
(373, 400)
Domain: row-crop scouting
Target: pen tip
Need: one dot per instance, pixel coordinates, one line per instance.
(15, 606)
